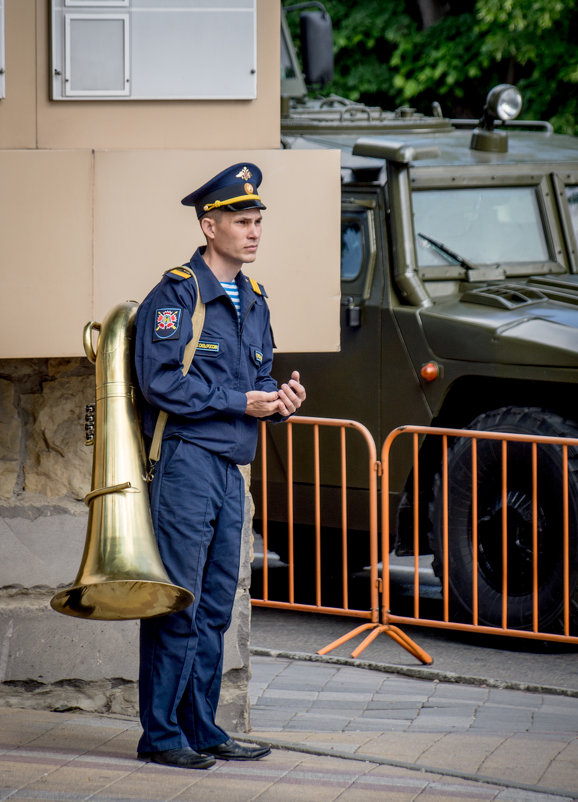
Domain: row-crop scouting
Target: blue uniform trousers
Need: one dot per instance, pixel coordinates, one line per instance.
(197, 504)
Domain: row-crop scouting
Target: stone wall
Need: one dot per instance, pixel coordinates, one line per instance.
(42, 447)
(52, 661)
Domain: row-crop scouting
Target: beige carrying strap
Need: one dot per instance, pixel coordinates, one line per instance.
(191, 347)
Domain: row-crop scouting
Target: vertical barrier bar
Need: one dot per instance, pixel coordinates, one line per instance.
(535, 618)
(385, 538)
(504, 534)
(416, 525)
(475, 597)
(264, 510)
(566, 543)
(317, 517)
(446, 570)
(374, 467)
(344, 564)
(290, 522)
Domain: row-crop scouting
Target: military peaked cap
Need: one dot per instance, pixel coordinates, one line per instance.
(233, 189)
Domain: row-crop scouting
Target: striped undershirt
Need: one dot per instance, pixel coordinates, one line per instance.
(232, 291)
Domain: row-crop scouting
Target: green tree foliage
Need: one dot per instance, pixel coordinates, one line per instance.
(384, 57)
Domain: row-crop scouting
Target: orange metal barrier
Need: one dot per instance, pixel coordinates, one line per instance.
(314, 424)
(373, 468)
(388, 617)
(381, 618)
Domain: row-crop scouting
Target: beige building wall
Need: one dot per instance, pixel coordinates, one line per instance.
(46, 248)
(90, 195)
(29, 119)
(141, 229)
(18, 108)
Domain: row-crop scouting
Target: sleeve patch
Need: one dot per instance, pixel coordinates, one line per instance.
(257, 355)
(167, 323)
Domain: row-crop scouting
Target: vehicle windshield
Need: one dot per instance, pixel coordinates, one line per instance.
(479, 226)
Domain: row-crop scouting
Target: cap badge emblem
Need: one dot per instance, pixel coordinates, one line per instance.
(248, 189)
(245, 174)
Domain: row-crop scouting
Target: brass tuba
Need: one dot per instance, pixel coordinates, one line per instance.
(121, 575)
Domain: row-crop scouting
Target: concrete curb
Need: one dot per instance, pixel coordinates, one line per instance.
(417, 673)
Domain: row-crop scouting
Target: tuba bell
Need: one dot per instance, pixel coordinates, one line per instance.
(121, 575)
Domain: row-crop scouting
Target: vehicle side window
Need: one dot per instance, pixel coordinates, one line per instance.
(352, 246)
(485, 225)
(572, 195)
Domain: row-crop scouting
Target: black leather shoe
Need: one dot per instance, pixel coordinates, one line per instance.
(232, 750)
(185, 758)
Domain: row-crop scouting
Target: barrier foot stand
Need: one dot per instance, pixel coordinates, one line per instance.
(396, 634)
(345, 638)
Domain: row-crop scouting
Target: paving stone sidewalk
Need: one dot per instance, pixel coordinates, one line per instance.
(529, 739)
(343, 733)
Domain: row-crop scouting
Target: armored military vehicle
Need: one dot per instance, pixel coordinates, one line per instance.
(459, 277)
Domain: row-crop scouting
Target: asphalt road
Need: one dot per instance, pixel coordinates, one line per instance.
(513, 661)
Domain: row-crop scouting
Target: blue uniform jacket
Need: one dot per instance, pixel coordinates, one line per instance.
(234, 355)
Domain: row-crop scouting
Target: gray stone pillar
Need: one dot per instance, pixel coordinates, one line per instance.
(52, 661)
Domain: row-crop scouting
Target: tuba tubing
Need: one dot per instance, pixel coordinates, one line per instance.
(121, 575)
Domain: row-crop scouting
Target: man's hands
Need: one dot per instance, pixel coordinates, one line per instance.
(285, 401)
(292, 394)
(260, 404)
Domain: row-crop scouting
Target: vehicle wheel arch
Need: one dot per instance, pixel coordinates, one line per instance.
(465, 400)
(471, 395)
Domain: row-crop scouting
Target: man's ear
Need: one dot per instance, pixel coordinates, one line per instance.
(208, 227)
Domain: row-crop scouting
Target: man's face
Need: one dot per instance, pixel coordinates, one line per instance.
(237, 235)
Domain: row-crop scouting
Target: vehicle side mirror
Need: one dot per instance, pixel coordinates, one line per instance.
(317, 47)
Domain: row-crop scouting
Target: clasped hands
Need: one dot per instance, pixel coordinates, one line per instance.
(284, 401)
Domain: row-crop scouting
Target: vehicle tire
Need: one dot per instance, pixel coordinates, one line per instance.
(519, 522)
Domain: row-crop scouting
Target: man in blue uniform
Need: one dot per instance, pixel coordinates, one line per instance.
(197, 494)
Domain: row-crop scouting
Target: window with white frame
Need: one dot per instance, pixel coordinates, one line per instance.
(154, 50)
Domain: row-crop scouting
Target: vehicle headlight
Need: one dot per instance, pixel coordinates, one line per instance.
(504, 102)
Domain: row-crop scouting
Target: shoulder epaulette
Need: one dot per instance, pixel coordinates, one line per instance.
(256, 287)
(178, 272)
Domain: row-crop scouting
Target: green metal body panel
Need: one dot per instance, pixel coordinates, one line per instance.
(502, 330)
